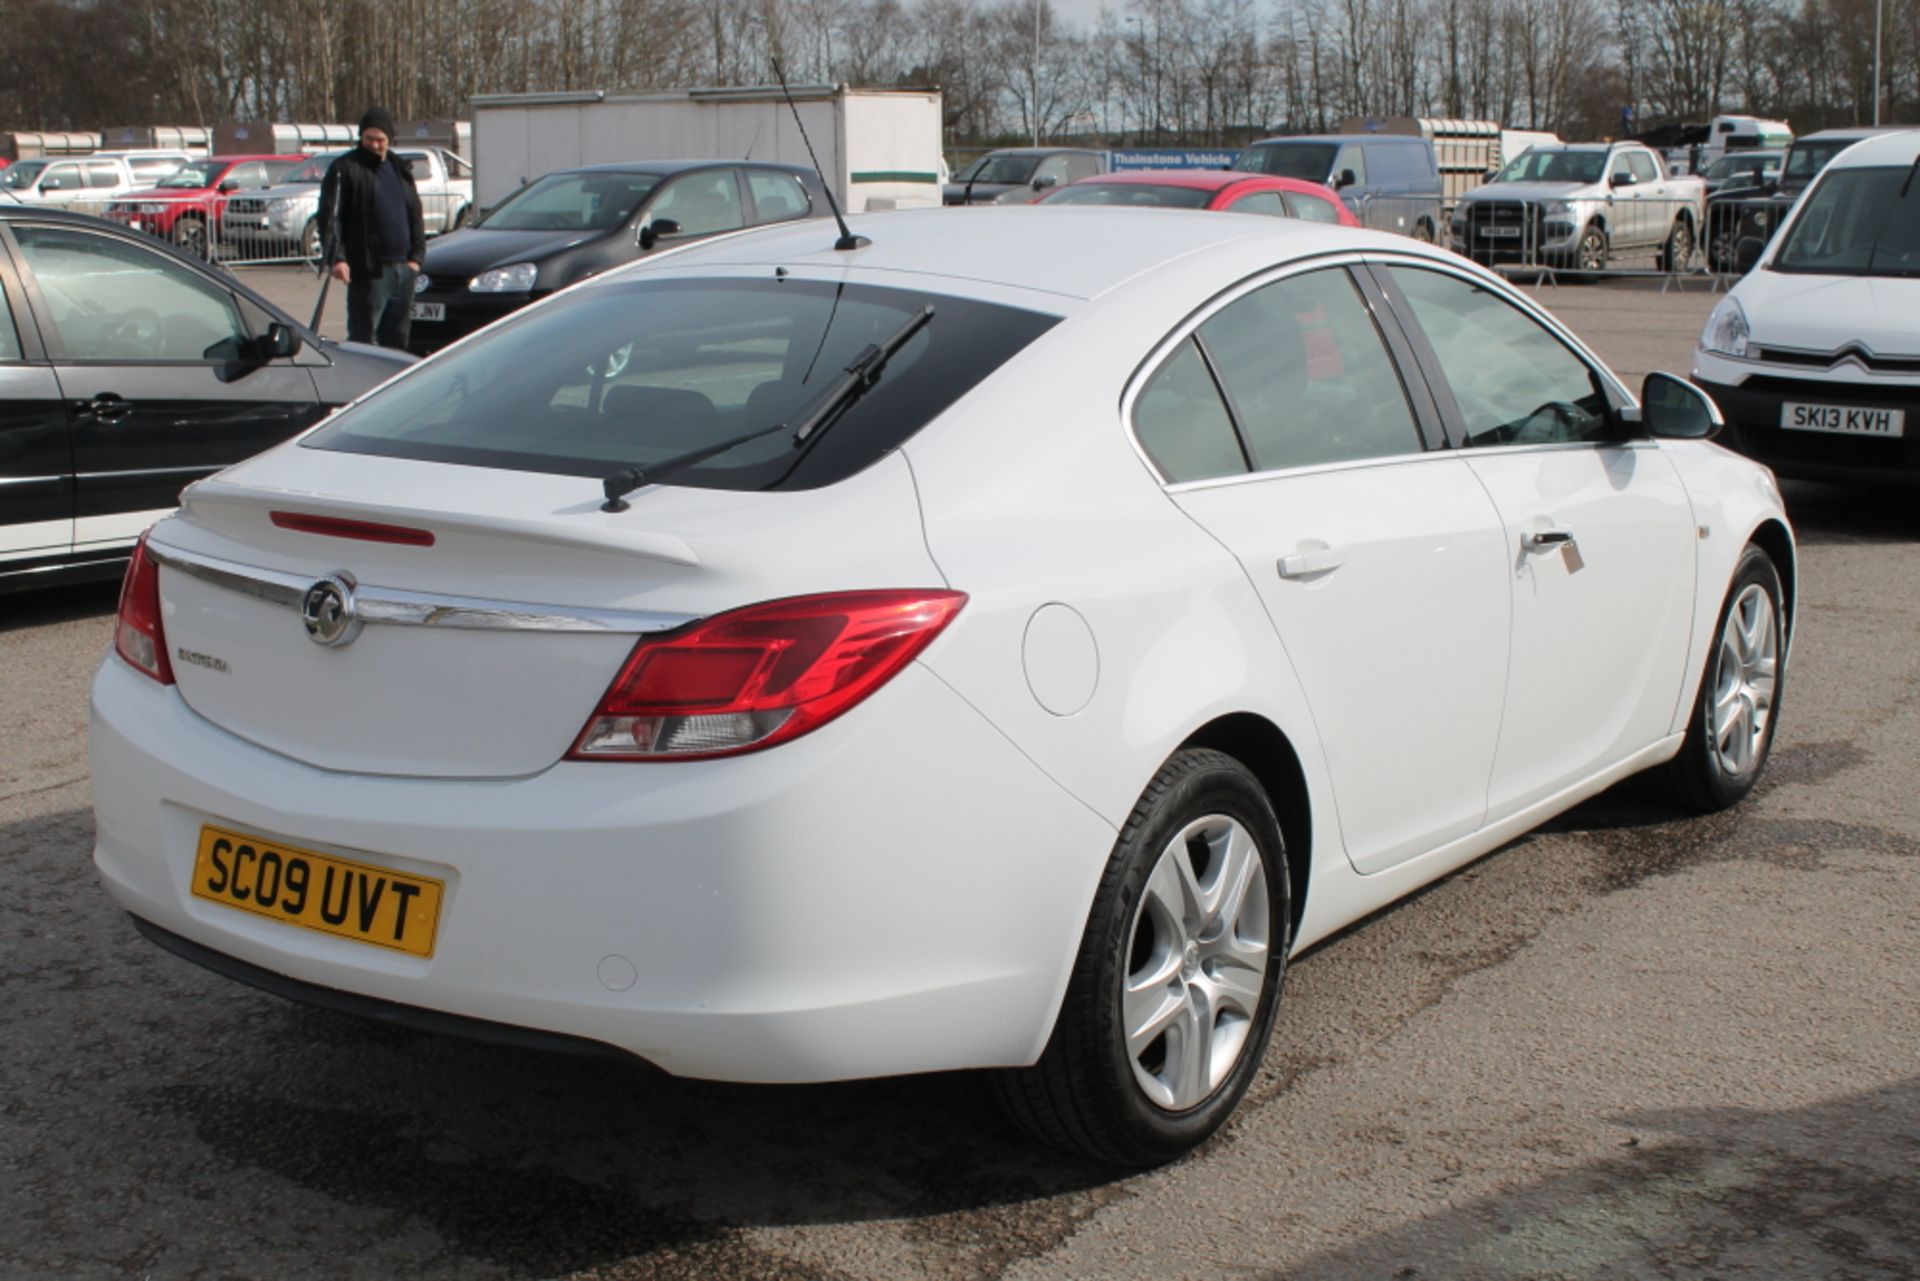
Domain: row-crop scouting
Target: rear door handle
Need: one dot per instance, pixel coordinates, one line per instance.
(1308, 563)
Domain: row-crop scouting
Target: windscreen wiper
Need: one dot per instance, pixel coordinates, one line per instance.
(860, 374)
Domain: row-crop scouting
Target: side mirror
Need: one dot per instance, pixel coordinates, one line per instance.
(651, 233)
(1746, 253)
(1347, 178)
(1674, 409)
(279, 342)
(1041, 184)
(229, 187)
(1622, 180)
(50, 184)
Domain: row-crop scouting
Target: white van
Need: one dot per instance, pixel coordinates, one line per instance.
(1814, 357)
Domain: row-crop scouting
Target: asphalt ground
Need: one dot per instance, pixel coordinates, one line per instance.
(1629, 1045)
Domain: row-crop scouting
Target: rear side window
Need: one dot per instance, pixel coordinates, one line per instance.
(776, 196)
(1312, 208)
(1183, 424)
(9, 337)
(628, 373)
(1261, 202)
(1308, 376)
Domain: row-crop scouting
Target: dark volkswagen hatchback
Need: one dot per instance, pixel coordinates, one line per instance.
(127, 371)
(574, 223)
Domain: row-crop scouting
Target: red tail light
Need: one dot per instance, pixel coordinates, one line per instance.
(748, 679)
(137, 634)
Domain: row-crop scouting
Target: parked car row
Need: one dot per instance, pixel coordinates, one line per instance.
(188, 206)
(283, 220)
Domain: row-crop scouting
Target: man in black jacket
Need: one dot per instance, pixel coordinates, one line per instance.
(370, 215)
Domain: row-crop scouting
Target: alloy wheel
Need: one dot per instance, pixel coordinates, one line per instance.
(1197, 962)
(1746, 670)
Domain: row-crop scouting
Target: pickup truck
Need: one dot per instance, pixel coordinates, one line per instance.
(283, 221)
(1576, 207)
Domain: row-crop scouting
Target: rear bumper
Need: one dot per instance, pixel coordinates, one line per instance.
(901, 891)
(1753, 415)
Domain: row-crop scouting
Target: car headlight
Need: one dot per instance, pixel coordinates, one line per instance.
(154, 208)
(1727, 331)
(1559, 208)
(505, 280)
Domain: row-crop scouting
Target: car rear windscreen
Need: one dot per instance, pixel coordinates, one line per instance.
(627, 373)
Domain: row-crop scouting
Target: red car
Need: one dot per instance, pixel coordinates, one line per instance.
(185, 206)
(1207, 189)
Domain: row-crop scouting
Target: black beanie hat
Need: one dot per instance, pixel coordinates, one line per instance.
(378, 118)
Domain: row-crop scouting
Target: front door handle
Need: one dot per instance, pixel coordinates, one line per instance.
(1539, 540)
(106, 407)
(1305, 564)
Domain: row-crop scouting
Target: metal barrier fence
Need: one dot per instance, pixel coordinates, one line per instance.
(250, 228)
(1625, 234)
(1418, 216)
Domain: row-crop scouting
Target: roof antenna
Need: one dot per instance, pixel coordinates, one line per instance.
(847, 239)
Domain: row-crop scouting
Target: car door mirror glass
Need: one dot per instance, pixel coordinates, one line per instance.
(1674, 409)
(279, 342)
(653, 232)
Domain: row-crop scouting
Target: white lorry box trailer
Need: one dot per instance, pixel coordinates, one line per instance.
(1465, 151)
(878, 148)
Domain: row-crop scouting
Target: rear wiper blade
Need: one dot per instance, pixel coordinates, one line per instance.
(860, 374)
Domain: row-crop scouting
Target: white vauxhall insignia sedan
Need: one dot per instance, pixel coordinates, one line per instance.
(1001, 645)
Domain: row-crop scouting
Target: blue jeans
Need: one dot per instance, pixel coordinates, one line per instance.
(381, 309)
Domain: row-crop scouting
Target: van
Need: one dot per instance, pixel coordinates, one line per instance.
(1390, 182)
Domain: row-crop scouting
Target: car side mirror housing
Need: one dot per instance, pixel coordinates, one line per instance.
(1623, 180)
(228, 187)
(1746, 253)
(279, 342)
(1671, 408)
(651, 233)
(50, 184)
(1347, 178)
(1041, 184)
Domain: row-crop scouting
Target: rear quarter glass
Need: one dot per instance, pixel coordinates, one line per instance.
(630, 373)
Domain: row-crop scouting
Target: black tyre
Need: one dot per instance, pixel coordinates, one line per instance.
(1589, 254)
(190, 236)
(1423, 232)
(1731, 729)
(1678, 250)
(1173, 993)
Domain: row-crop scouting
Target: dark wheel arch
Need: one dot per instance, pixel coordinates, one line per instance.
(1269, 756)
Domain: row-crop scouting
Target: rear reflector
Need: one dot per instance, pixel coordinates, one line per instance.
(365, 530)
(748, 679)
(137, 634)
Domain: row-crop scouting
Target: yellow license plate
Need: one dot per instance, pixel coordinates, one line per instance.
(318, 891)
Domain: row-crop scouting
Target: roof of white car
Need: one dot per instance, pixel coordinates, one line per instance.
(1901, 148)
(1074, 252)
